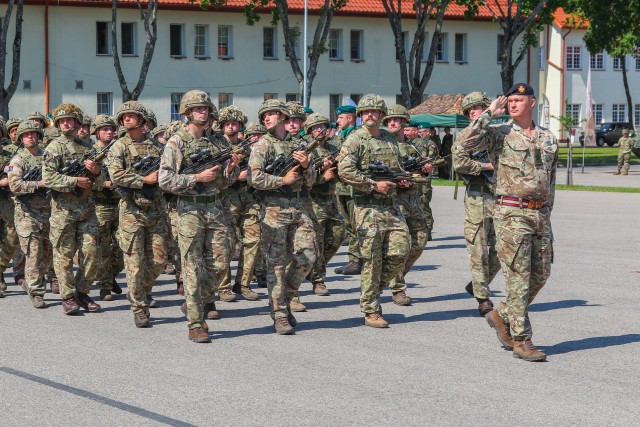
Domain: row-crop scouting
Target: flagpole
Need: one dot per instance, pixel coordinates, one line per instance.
(589, 131)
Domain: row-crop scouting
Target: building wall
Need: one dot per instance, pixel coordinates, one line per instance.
(72, 50)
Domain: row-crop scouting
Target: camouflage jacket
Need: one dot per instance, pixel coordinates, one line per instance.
(526, 165)
(327, 149)
(470, 168)
(625, 144)
(57, 153)
(99, 190)
(22, 161)
(407, 149)
(360, 149)
(175, 157)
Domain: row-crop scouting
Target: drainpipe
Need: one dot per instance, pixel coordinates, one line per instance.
(46, 57)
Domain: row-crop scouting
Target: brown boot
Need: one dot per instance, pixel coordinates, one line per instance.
(70, 306)
(37, 301)
(625, 173)
(169, 268)
(320, 289)
(86, 302)
(227, 295)
(198, 334)
(3, 284)
(525, 350)
(141, 320)
(282, 326)
(296, 305)
(503, 331)
(375, 320)
(401, 298)
(352, 269)
(105, 295)
(210, 311)
(55, 286)
(617, 173)
(246, 292)
(484, 306)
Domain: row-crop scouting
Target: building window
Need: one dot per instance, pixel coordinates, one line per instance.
(335, 100)
(335, 44)
(441, 48)
(636, 115)
(105, 103)
(225, 39)
(224, 100)
(597, 61)
(269, 43)
(573, 57)
(291, 97)
(176, 42)
(574, 110)
(128, 38)
(461, 48)
(617, 63)
(399, 99)
(201, 41)
(500, 45)
(268, 96)
(597, 114)
(175, 105)
(103, 38)
(357, 45)
(355, 97)
(618, 112)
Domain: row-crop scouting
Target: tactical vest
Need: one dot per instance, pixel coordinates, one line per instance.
(192, 145)
(384, 148)
(144, 198)
(325, 188)
(284, 147)
(105, 193)
(29, 161)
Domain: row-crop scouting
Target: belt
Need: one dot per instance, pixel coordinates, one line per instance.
(479, 188)
(199, 199)
(106, 201)
(518, 202)
(303, 193)
(371, 201)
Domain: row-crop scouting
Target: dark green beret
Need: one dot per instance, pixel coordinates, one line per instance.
(345, 109)
(308, 110)
(412, 124)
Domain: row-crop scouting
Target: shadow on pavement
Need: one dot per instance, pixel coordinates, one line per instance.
(569, 303)
(591, 343)
(442, 239)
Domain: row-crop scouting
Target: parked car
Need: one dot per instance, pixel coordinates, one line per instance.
(609, 133)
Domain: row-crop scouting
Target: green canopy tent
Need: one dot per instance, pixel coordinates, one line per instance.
(442, 120)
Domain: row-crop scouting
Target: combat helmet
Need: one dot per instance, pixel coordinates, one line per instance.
(100, 121)
(272, 105)
(36, 115)
(253, 128)
(313, 120)
(134, 107)
(150, 117)
(160, 129)
(29, 126)
(296, 109)
(12, 123)
(50, 134)
(195, 98)
(474, 98)
(67, 111)
(371, 102)
(397, 111)
(232, 114)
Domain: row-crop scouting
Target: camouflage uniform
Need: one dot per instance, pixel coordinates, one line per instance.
(525, 177)
(32, 211)
(382, 232)
(624, 155)
(142, 229)
(288, 238)
(429, 149)
(74, 226)
(8, 237)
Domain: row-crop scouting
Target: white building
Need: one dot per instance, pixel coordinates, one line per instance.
(563, 76)
(235, 63)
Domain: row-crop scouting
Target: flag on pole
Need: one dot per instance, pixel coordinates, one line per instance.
(589, 124)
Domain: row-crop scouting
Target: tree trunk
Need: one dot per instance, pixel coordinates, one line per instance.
(627, 92)
(7, 93)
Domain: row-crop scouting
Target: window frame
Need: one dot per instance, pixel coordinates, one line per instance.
(109, 103)
(227, 102)
(334, 98)
(134, 38)
(174, 99)
(274, 42)
(183, 48)
(598, 113)
(594, 59)
(205, 41)
(636, 115)
(339, 56)
(618, 59)
(573, 57)
(228, 52)
(499, 48)
(576, 111)
(616, 110)
(359, 47)
(442, 48)
(464, 58)
(109, 51)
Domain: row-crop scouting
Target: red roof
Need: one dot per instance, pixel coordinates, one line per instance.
(353, 7)
(566, 20)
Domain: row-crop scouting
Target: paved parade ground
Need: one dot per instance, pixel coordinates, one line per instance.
(438, 364)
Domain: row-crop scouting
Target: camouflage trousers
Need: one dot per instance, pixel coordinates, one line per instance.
(203, 237)
(415, 218)
(9, 244)
(480, 236)
(111, 261)
(329, 229)
(624, 159)
(74, 228)
(525, 250)
(425, 199)
(289, 245)
(245, 214)
(172, 237)
(260, 269)
(142, 238)
(32, 226)
(345, 207)
(384, 244)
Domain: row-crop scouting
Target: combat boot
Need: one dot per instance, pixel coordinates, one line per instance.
(141, 320)
(37, 301)
(3, 284)
(55, 286)
(484, 306)
(296, 305)
(338, 270)
(227, 295)
(503, 330)
(282, 326)
(246, 292)
(169, 268)
(352, 269)
(617, 173)
(86, 302)
(19, 279)
(210, 311)
(525, 350)
(375, 320)
(261, 279)
(105, 295)
(321, 289)
(401, 298)
(199, 335)
(180, 284)
(70, 306)
(625, 173)
(115, 288)
(151, 301)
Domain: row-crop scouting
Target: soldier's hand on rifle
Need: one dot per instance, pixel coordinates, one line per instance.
(405, 183)
(242, 177)
(152, 178)
(486, 166)
(329, 174)
(208, 175)
(4, 182)
(92, 167)
(427, 167)
(292, 175)
(84, 182)
(41, 184)
(383, 187)
(233, 162)
(110, 185)
(498, 106)
(302, 157)
(326, 163)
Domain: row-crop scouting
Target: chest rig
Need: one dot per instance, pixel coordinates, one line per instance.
(192, 146)
(383, 148)
(30, 161)
(284, 147)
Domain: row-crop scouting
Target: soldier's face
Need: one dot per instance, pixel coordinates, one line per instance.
(161, 139)
(130, 120)
(521, 105)
(370, 118)
(105, 134)
(424, 133)
(293, 125)
(200, 114)
(12, 133)
(318, 130)
(66, 124)
(345, 120)
(29, 139)
(231, 128)
(270, 119)
(83, 131)
(410, 132)
(475, 111)
(395, 124)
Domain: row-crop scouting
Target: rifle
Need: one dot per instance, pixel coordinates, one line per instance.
(415, 164)
(144, 166)
(281, 164)
(75, 168)
(34, 173)
(379, 171)
(482, 157)
(333, 156)
(3, 174)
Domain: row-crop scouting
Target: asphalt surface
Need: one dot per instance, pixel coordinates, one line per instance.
(600, 175)
(438, 364)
